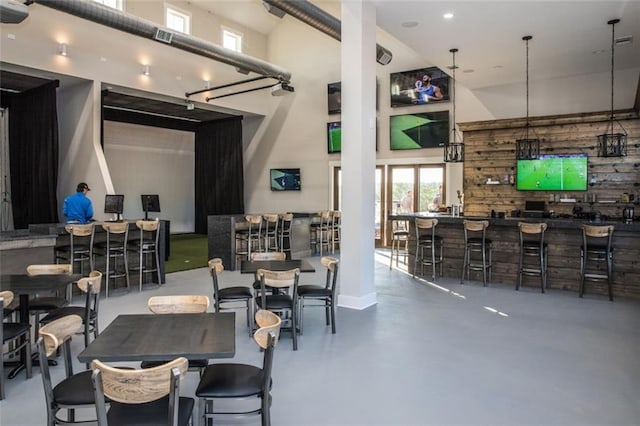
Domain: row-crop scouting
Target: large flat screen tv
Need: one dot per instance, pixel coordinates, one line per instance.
(285, 179)
(419, 87)
(334, 137)
(417, 131)
(558, 172)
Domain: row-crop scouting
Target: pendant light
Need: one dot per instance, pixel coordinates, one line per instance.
(527, 148)
(454, 147)
(612, 144)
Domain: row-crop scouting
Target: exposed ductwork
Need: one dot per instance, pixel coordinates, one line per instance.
(318, 19)
(124, 22)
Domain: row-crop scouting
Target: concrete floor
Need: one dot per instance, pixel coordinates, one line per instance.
(427, 353)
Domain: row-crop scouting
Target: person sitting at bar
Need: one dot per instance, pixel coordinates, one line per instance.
(78, 207)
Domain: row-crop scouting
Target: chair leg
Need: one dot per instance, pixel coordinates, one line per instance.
(201, 411)
(333, 317)
(294, 329)
(582, 268)
(266, 410)
(610, 275)
(464, 262)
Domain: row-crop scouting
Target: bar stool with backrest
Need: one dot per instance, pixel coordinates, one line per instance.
(476, 241)
(146, 246)
(429, 246)
(254, 236)
(336, 229)
(321, 231)
(284, 233)
(80, 247)
(595, 250)
(532, 244)
(114, 248)
(270, 234)
(399, 240)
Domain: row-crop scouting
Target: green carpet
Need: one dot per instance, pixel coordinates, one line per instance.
(187, 251)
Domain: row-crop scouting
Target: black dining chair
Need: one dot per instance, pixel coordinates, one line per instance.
(222, 297)
(284, 299)
(40, 305)
(240, 381)
(17, 337)
(325, 294)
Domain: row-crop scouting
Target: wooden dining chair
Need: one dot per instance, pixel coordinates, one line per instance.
(285, 300)
(40, 305)
(74, 390)
(241, 381)
(323, 296)
(16, 335)
(222, 297)
(141, 397)
(179, 304)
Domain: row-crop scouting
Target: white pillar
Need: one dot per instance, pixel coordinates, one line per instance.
(357, 286)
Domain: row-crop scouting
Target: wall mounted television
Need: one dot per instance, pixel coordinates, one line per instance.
(334, 97)
(334, 137)
(285, 179)
(557, 172)
(410, 87)
(417, 131)
(114, 203)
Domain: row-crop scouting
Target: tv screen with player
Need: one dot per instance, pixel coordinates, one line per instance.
(285, 179)
(558, 172)
(420, 130)
(334, 137)
(419, 87)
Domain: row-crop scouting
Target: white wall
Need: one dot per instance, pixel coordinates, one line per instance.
(150, 160)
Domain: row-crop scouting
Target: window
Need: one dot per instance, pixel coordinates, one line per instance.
(231, 40)
(178, 20)
(116, 4)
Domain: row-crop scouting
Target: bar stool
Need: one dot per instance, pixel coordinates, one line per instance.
(481, 245)
(426, 239)
(399, 240)
(336, 227)
(270, 234)
(114, 248)
(146, 247)
(531, 246)
(596, 248)
(322, 231)
(284, 233)
(80, 247)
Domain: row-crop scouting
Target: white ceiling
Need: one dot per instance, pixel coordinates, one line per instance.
(570, 37)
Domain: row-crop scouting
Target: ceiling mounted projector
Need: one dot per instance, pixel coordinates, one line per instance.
(12, 12)
(281, 89)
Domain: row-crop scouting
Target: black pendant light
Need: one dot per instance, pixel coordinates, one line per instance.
(610, 143)
(454, 147)
(527, 148)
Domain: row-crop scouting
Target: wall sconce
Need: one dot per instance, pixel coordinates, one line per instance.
(145, 70)
(62, 49)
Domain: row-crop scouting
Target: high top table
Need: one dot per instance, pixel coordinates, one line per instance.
(158, 337)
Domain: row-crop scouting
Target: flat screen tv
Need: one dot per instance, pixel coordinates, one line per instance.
(285, 179)
(334, 137)
(114, 203)
(150, 203)
(419, 87)
(558, 172)
(420, 130)
(334, 98)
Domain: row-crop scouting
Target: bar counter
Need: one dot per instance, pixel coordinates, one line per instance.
(564, 238)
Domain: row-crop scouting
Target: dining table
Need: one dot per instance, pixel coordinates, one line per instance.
(25, 286)
(252, 266)
(158, 337)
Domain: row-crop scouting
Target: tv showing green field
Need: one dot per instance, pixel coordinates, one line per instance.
(420, 130)
(560, 172)
(334, 137)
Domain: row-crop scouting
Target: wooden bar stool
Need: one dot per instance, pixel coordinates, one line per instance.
(146, 247)
(596, 249)
(532, 244)
(284, 233)
(427, 240)
(399, 240)
(270, 234)
(114, 248)
(477, 244)
(80, 247)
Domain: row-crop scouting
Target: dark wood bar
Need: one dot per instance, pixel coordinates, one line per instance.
(564, 238)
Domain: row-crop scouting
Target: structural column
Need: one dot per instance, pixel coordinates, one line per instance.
(357, 286)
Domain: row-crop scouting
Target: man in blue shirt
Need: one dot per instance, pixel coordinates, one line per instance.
(77, 207)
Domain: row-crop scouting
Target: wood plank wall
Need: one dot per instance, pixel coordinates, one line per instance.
(490, 153)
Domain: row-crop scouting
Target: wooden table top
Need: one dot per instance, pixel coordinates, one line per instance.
(252, 266)
(23, 284)
(157, 337)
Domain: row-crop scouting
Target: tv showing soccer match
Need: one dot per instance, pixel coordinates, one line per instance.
(334, 137)
(558, 172)
(417, 131)
(419, 87)
(285, 179)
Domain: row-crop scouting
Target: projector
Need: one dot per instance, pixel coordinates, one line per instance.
(281, 89)
(12, 12)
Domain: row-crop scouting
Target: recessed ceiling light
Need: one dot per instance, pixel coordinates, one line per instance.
(410, 24)
(468, 71)
(448, 15)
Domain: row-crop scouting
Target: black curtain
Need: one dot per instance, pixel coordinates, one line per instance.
(219, 182)
(33, 156)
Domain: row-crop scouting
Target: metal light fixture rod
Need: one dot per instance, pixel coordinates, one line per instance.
(526, 126)
(613, 23)
(453, 95)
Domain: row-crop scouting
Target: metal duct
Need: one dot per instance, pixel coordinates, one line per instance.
(124, 22)
(320, 20)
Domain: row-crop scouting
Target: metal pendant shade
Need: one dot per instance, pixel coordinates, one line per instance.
(454, 147)
(611, 143)
(527, 148)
